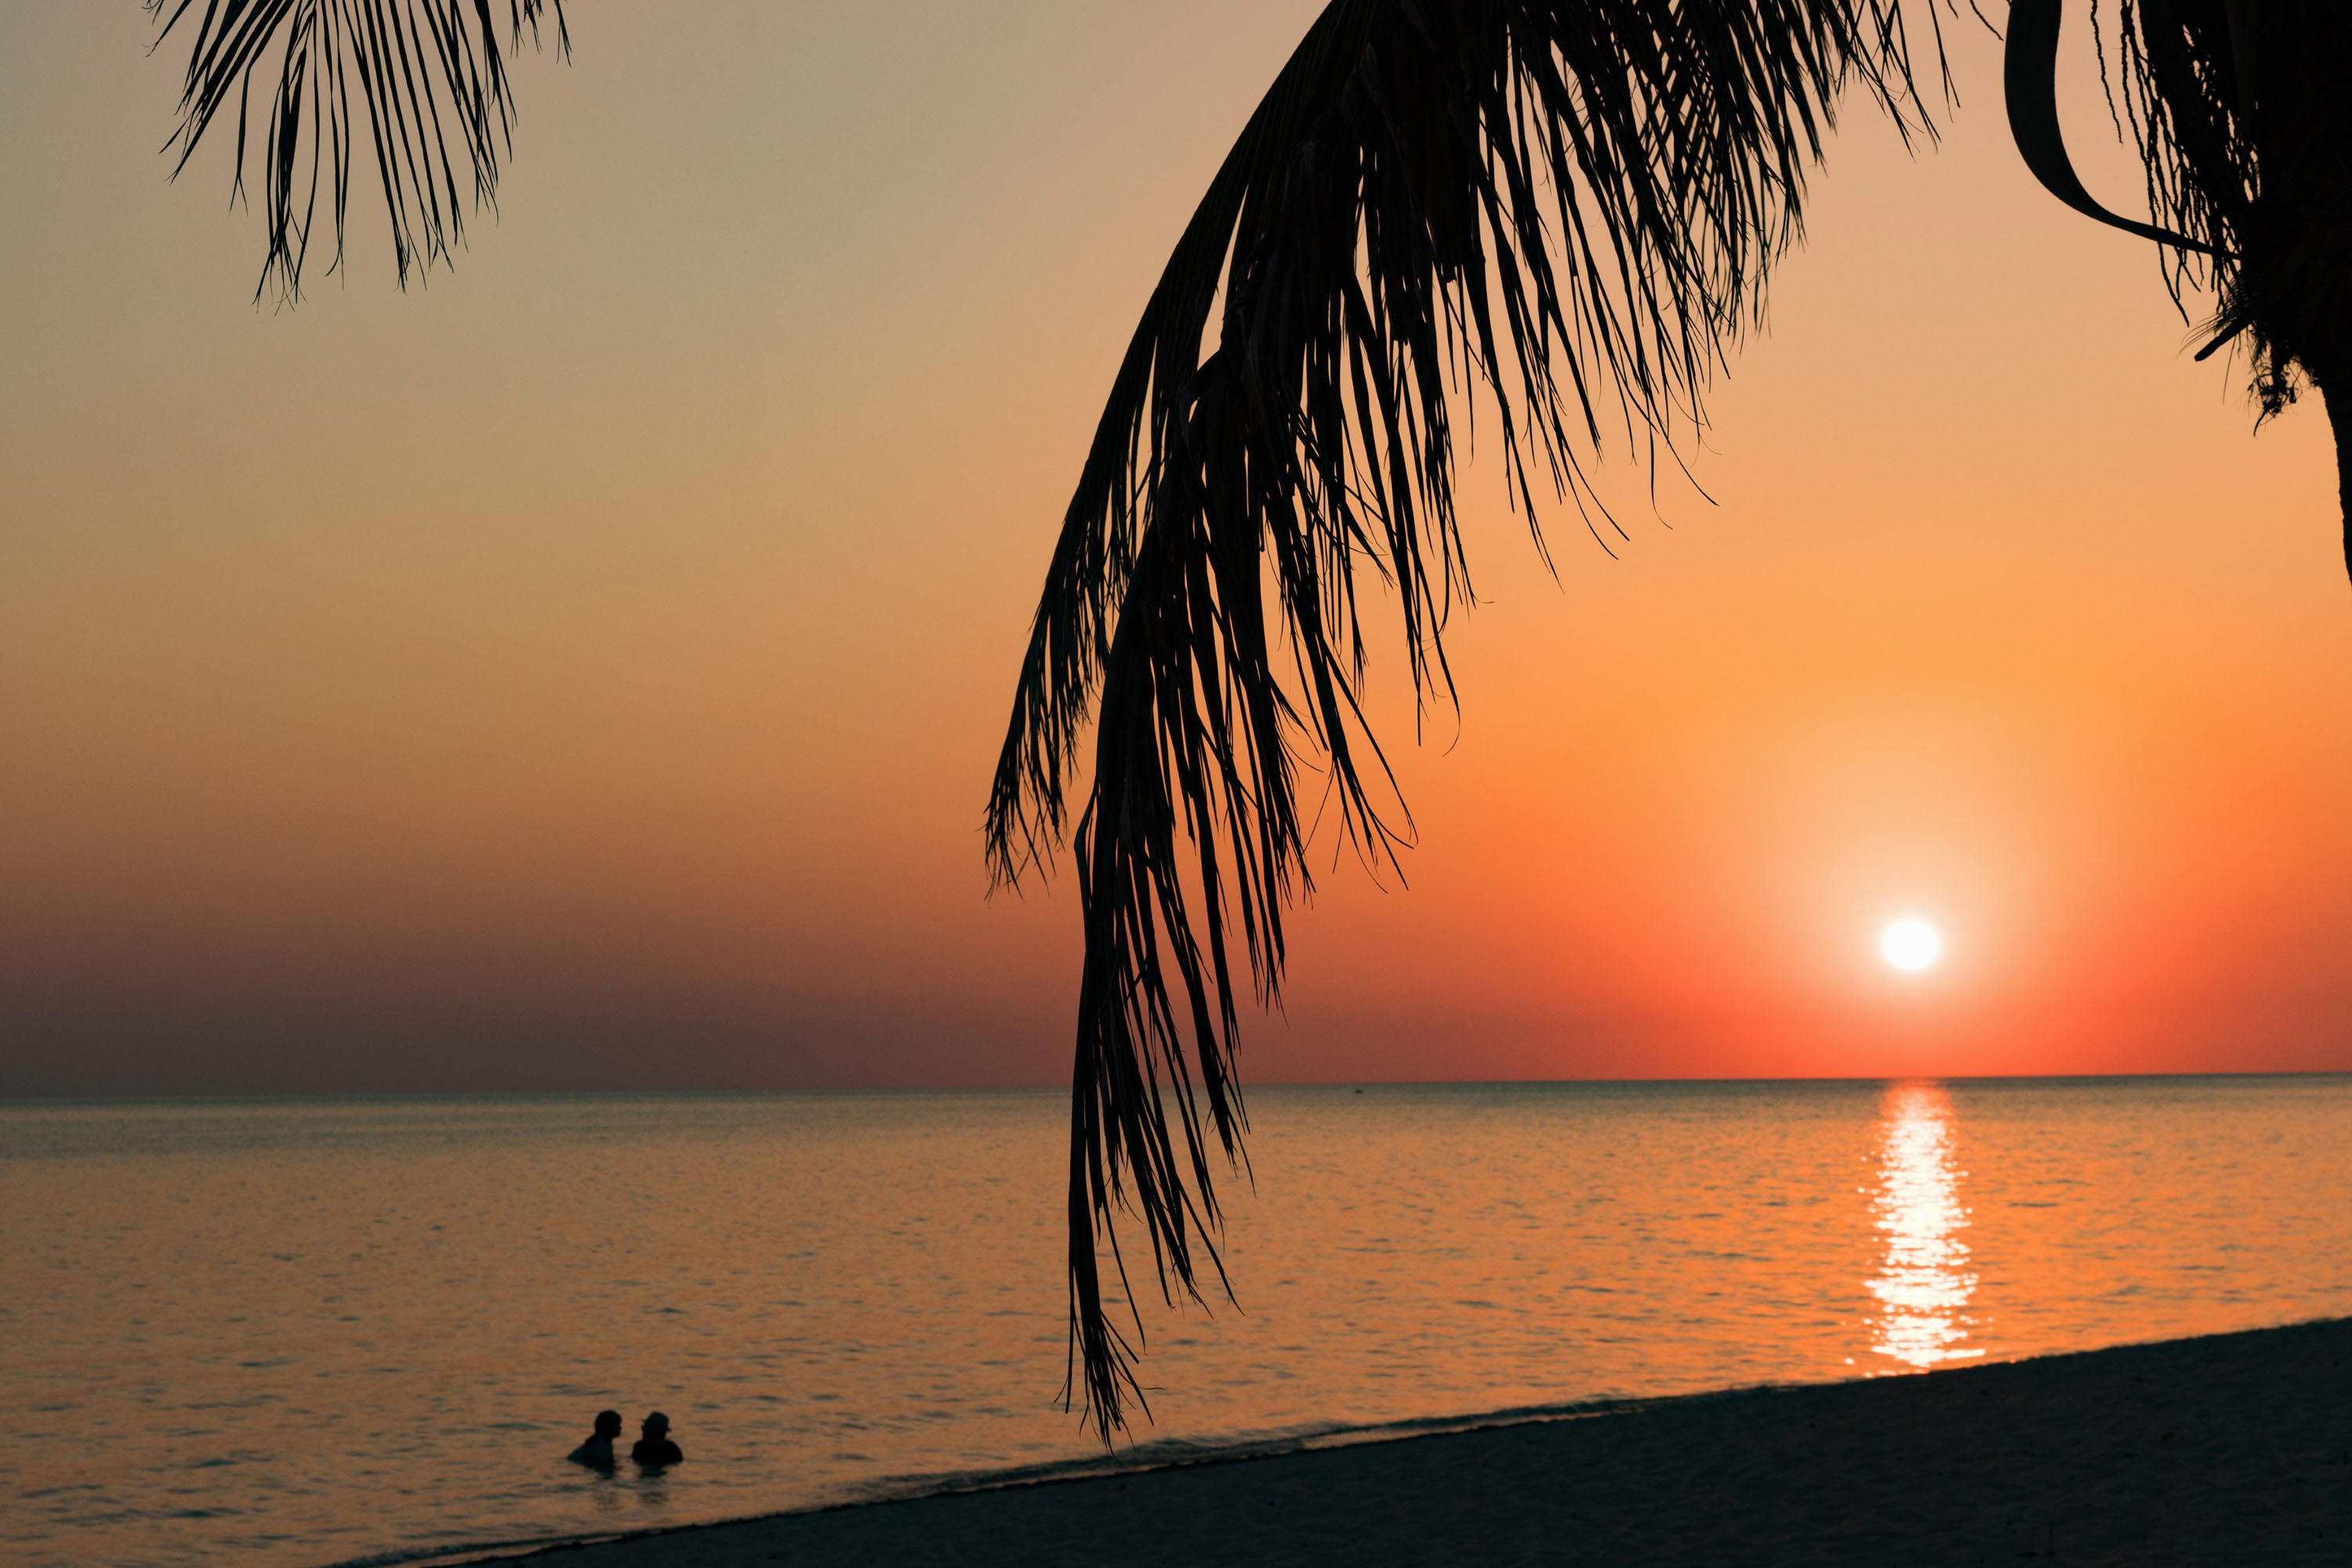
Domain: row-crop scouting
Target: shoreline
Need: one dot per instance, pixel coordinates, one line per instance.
(2224, 1448)
(1150, 1457)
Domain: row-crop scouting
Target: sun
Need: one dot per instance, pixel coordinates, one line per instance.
(1910, 944)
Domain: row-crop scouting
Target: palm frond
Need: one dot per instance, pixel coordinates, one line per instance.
(1565, 209)
(2242, 118)
(430, 78)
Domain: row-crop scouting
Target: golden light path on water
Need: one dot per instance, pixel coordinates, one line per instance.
(1923, 1283)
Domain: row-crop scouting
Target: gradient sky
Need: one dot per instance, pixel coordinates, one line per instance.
(584, 670)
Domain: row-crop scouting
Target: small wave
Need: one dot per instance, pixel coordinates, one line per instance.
(467, 1551)
(1169, 1453)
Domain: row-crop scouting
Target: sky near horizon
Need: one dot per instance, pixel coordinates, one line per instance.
(584, 670)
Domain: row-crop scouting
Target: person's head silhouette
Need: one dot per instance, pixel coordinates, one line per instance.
(654, 1448)
(597, 1451)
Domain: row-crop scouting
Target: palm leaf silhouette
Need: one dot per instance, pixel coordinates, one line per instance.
(1568, 207)
(2243, 120)
(430, 79)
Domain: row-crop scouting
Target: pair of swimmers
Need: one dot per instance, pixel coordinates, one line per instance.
(653, 1450)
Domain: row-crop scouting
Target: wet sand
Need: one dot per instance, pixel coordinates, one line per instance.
(2235, 1450)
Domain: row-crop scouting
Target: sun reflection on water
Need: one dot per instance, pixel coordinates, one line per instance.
(1923, 1282)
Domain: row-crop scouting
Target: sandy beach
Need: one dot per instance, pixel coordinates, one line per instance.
(2234, 1449)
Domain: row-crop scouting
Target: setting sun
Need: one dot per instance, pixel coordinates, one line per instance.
(1910, 946)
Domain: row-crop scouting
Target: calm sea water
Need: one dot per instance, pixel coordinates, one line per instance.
(328, 1331)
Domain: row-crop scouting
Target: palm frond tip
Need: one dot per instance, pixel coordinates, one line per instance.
(1572, 206)
(430, 78)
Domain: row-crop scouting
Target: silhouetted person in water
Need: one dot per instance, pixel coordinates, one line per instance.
(597, 1453)
(654, 1448)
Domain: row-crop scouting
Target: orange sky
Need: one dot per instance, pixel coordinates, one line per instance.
(586, 671)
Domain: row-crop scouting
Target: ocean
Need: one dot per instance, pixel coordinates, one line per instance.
(320, 1332)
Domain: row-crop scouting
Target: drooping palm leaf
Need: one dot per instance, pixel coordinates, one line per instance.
(1566, 209)
(430, 79)
(2029, 84)
(2242, 114)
